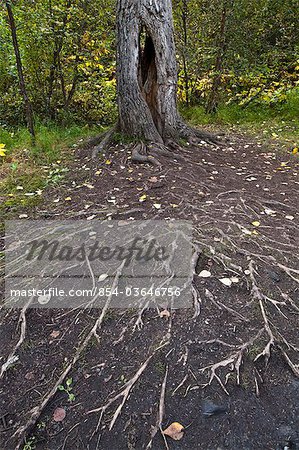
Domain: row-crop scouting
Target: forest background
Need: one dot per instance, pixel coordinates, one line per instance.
(238, 66)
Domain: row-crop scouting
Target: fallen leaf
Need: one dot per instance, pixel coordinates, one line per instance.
(157, 205)
(67, 199)
(108, 162)
(165, 313)
(204, 274)
(103, 277)
(2, 150)
(23, 216)
(29, 376)
(234, 279)
(44, 299)
(295, 150)
(270, 212)
(175, 431)
(256, 223)
(153, 179)
(59, 414)
(290, 217)
(245, 231)
(143, 198)
(226, 281)
(55, 334)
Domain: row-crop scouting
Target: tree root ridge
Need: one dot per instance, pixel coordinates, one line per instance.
(168, 146)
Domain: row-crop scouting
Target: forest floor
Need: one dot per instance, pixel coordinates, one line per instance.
(243, 202)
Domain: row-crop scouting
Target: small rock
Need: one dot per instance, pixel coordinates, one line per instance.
(210, 409)
(274, 276)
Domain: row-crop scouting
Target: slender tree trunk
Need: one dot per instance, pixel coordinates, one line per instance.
(56, 68)
(147, 70)
(27, 103)
(212, 103)
(185, 36)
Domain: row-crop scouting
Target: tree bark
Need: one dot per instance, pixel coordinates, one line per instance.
(27, 103)
(185, 47)
(147, 70)
(213, 99)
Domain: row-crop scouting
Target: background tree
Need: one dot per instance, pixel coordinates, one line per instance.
(23, 89)
(68, 49)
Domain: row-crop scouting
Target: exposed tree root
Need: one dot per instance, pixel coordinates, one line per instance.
(233, 361)
(160, 415)
(193, 134)
(140, 153)
(104, 143)
(22, 324)
(36, 412)
(124, 393)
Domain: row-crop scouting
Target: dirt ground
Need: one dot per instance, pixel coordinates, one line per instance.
(237, 348)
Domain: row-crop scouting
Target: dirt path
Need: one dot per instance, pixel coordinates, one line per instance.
(243, 201)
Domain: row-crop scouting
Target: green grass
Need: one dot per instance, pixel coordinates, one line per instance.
(28, 169)
(279, 121)
(51, 139)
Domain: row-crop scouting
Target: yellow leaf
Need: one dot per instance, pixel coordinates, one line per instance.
(67, 199)
(295, 150)
(108, 162)
(143, 198)
(98, 172)
(175, 431)
(256, 223)
(2, 150)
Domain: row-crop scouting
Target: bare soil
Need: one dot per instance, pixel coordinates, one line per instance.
(243, 201)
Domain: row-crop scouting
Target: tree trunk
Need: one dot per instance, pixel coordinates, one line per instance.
(213, 99)
(27, 103)
(147, 70)
(185, 37)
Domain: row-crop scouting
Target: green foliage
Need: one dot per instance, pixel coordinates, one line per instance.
(67, 50)
(276, 121)
(68, 53)
(68, 389)
(26, 171)
(30, 444)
